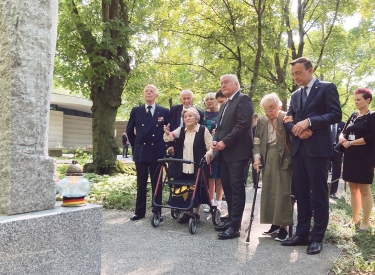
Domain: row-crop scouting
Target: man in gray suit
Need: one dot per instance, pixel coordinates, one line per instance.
(233, 139)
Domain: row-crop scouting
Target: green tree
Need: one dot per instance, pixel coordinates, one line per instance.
(94, 56)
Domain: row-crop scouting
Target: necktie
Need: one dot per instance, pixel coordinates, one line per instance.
(225, 107)
(333, 132)
(149, 114)
(304, 95)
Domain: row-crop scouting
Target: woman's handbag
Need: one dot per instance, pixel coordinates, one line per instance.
(339, 148)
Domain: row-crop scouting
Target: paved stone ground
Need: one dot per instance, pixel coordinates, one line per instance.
(137, 248)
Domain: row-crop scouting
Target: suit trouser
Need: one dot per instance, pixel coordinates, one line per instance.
(125, 150)
(336, 161)
(311, 190)
(143, 169)
(233, 180)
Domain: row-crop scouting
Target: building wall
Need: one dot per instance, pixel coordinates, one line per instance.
(77, 131)
(55, 132)
(120, 127)
(66, 131)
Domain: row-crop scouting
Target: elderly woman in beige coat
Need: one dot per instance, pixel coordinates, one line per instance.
(271, 145)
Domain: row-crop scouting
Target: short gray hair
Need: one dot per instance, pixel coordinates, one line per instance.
(192, 110)
(233, 78)
(186, 92)
(273, 97)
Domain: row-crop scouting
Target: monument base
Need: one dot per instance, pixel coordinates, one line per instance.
(63, 240)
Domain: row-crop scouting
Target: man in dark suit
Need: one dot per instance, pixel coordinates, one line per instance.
(313, 108)
(125, 145)
(145, 133)
(233, 139)
(187, 98)
(336, 160)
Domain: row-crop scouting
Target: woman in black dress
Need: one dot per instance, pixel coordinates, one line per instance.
(358, 137)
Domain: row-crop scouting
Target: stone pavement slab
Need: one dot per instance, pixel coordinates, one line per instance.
(137, 248)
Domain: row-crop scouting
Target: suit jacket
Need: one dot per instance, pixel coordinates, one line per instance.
(340, 127)
(147, 142)
(261, 137)
(235, 128)
(322, 107)
(176, 112)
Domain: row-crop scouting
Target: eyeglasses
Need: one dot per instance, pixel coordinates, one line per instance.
(226, 82)
(270, 111)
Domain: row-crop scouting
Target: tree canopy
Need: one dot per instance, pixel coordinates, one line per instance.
(109, 50)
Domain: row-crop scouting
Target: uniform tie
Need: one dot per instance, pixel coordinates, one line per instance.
(149, 114)
(304, 95)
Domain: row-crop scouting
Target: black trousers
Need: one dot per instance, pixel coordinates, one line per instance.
(144, 169)
(233, 177)
(310, 188)
(336, 162)
(125, 150)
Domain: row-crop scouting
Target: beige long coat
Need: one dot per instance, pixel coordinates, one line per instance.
(276, 175)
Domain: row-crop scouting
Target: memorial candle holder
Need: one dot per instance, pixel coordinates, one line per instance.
(74, 187)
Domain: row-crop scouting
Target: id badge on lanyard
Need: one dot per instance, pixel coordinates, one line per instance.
(351, 137)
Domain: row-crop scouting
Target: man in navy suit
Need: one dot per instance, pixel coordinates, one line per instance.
(336, 160)
(145, 133)
(313, 108)
(186, 98)
(234, 141)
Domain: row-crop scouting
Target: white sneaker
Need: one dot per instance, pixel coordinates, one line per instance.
(206, 208)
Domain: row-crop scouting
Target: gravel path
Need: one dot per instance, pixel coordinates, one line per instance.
(137, 248)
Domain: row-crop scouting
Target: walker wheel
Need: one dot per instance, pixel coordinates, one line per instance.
(216, 215)
(192, 225)
(155, 219)
(175, 213)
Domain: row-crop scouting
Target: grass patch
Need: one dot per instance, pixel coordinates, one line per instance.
(118, 192)
(358, 249)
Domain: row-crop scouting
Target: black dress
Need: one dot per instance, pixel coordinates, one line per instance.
(359, 160)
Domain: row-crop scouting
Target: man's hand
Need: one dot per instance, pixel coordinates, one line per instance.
(305, 134)
(217, 146)
(300, 126)
(256, 164)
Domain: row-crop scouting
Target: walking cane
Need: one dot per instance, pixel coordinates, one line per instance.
(256, 182)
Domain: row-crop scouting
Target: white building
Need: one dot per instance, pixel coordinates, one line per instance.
(70, 124)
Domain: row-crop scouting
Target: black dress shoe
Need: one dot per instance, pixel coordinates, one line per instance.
(314, 248)
(295, 240)
(254, 186)
(230, 233)
(136, 217)
(334, 196)
(222, 226)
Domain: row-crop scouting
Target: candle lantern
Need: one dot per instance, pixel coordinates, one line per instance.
(74, 187)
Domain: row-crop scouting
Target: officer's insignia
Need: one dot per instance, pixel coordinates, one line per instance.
(160, 119)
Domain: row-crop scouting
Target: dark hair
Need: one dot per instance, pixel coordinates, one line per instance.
(304, 60)
(219, 93)
(366, 93)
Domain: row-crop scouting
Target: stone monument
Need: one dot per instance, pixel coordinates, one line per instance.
(36, 235)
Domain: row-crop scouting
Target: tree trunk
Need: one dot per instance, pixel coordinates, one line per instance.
(105, 104)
